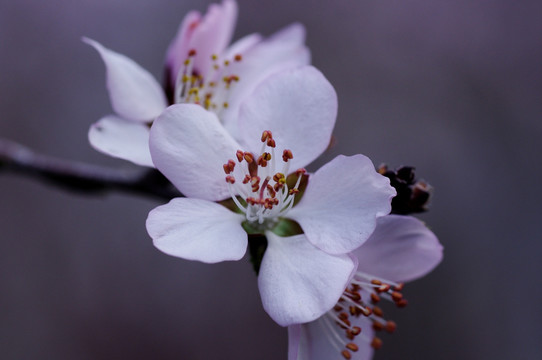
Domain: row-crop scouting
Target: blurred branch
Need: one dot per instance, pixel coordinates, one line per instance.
(81, 177)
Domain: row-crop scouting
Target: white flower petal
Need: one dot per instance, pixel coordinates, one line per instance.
(189, 146)
(299, 107)
(339, 208)
(122, 139)
(197, 229)
(281, 51)
(298, 282)
(134, 92)
(401, 249)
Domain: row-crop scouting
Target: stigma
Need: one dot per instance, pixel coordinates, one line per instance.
(210, 87)
(360, 300)
(257, 183)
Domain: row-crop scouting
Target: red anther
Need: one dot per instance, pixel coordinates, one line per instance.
(238, 57)
(230, 179)
(234, 78)
(376, 343)
(401, 303)
(279, 177)
(278, 186)
(399, 287)
(383, 288)
(338, 308)
(352, 346)
(352, 295)
(391, 326)
(366, 310)
(192, 52)
(396, 296)
(271, 142)
(376, 282)
(246, 179)
(353, 310)
(378, 326)
(293, 191)
(266, 134)
(356, 330)
(261, 161)
(226, 168)
(249, 158)
(343, 316)
(375, 298)
(378, 311)
(350, 335)
(287, 155)
(240, 155)
(346, 354)
(300, 171)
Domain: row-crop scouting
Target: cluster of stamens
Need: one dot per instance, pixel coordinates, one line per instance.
(206, 87)
(263, 192)
(360, 299)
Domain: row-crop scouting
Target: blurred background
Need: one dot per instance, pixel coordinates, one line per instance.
(451, 87)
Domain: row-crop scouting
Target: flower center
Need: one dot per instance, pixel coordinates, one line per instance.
(263, 193)
(360, 299)
(209, 88)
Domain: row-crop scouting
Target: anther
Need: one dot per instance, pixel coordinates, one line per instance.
(266, 134)
(300, 171)
(378, 311)
(229, 167)
(192, 52)
(249, 158)
(271, 142)
(391, 326)
(352, 346)
(356, 330)
(240, 155)
(375, 298)
(396, 296)
(346, 354)
(287, 155)
(230, 179)
(401, 303)
(238, 57)
(376, 343)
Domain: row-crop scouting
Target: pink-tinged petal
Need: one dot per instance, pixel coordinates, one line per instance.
(283, 50)
(298, 282)
(314, 340)
(214, 33)
(122, 139)
(342, 201)
(179, 47)
(401, 249)
(134, 92)
(299, 107)
(189, 146)
(195, 229)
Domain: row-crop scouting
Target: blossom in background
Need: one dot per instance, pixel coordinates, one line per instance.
(200, 69)
(401, 249)
(284, 125)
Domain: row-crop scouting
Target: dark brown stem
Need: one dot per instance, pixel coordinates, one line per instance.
(81, 177)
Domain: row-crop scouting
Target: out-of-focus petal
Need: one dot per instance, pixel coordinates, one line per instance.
(122, 139)
(299, 107)
(281, 51)
(179, 47)
(190, 146)
(197, 229)
(134, 92)
(298, 282)
(342, 201)
(401, 249)
(213, 34)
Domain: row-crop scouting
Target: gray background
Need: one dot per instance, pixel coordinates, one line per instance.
(452, 87)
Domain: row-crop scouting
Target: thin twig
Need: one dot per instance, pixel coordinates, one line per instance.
(82, 177)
